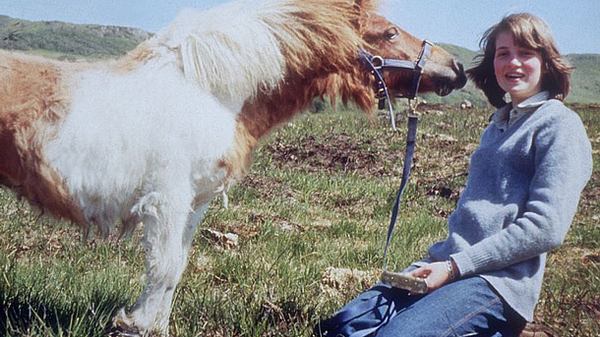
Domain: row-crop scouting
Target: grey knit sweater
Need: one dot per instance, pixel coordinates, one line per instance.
(524, 184)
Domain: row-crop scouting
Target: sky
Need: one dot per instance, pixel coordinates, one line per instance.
(575, 23)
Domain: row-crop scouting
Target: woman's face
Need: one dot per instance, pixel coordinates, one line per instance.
(518, 70)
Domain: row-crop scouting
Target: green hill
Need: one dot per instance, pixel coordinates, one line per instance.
(586, 78)
(68, 41)
(72, 41)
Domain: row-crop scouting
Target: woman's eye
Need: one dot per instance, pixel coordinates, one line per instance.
(391, 33)
(527, 52)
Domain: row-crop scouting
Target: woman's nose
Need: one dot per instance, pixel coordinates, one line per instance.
(514, 59)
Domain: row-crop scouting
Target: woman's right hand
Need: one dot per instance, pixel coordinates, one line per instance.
(436, 274)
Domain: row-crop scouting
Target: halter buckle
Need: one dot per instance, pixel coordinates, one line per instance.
(377, 62)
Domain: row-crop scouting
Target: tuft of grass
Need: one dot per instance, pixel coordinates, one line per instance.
(318, 196)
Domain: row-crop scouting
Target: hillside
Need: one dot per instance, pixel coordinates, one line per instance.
(71, 41)
(586, 78)
(68, 41)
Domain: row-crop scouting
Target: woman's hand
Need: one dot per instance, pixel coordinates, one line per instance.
(436, 274)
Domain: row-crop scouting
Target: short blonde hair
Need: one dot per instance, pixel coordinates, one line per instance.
(531, 32)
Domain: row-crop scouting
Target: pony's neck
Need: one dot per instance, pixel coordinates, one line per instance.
(269, 110)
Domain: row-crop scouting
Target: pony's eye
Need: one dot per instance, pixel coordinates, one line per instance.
(391, 33)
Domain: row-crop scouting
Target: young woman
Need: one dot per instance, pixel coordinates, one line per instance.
(524, 184)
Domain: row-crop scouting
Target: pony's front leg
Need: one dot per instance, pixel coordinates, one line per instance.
(194, 219)
(164, 221)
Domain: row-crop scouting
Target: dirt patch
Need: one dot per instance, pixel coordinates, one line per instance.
(439, 164)
(335, 153)
(267, 187)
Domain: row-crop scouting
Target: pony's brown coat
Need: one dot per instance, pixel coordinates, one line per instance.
(32, 101)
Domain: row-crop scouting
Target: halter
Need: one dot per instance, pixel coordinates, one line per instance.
(377, 64)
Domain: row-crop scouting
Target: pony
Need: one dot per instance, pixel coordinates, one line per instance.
(154, 136)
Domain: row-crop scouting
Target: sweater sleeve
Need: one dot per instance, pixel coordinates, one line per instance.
(563, 165)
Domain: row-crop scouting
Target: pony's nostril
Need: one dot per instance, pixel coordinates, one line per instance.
(458, 67)
(461, 79)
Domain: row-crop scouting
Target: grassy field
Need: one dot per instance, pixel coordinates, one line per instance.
(318, 197)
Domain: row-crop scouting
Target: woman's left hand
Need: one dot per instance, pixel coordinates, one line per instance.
(436, 274)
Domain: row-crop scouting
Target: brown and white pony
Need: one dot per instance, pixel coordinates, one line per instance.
(154, 136)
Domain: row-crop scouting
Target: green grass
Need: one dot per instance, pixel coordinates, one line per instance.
(318, 196)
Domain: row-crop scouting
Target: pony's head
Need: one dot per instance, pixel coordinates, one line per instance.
(441, 74)
(241, 49)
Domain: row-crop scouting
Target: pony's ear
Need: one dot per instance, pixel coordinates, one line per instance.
(363, 9)
(367, 4)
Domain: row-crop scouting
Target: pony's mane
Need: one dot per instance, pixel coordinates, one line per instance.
(240, 48)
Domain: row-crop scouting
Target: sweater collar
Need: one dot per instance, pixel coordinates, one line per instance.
(533, 102)
(507, 115)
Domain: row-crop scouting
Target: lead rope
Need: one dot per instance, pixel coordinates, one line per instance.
(411, 136)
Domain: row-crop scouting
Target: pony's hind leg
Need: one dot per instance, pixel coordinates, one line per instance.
(164, 217)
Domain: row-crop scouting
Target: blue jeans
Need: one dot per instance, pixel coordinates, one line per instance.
(467, 307)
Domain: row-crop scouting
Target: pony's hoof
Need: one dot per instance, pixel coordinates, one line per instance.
(127, 331)
(121, 332)
(122, 326)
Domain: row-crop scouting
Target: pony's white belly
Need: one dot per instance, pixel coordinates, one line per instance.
(132, 135)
